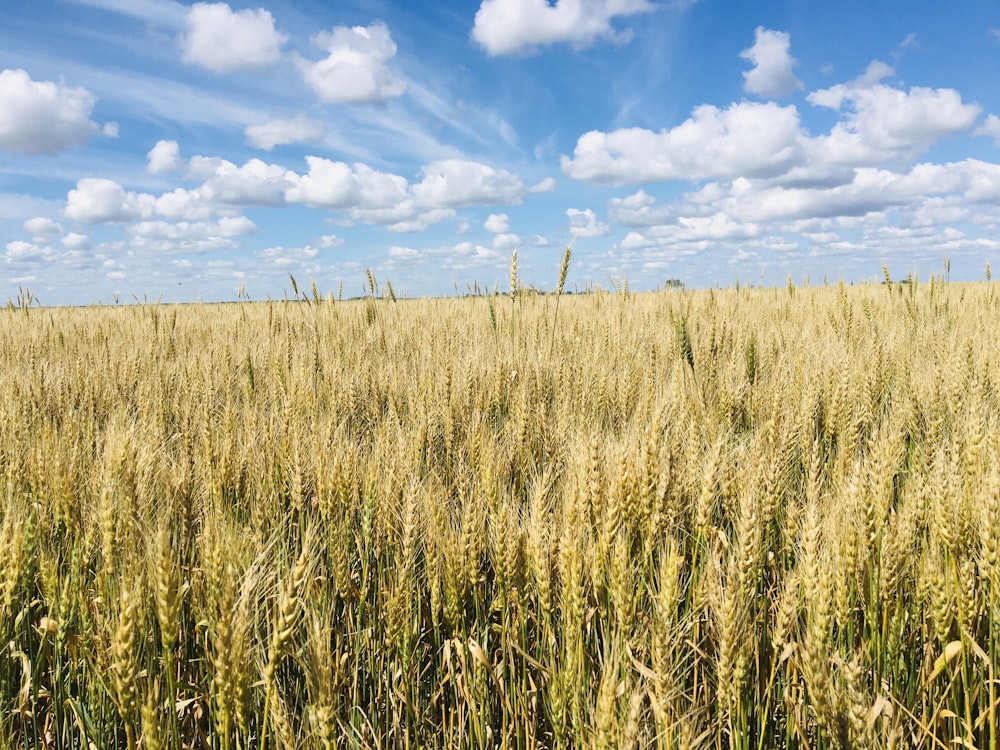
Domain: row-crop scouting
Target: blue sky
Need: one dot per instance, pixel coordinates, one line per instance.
(161, 148)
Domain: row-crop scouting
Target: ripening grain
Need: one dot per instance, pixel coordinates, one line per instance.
(740, 519)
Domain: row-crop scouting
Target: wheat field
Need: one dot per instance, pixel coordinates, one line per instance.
(741, 518)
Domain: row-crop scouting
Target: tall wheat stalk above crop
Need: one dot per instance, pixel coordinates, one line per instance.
(563, 271)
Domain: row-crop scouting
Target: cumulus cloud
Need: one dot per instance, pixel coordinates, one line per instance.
(455, 183)
(394, 214)
(466, 255)
(463, 256)
(991, 128)
(851, 190)
(96, 200)
(227, 226)
(882, 122)
(184, 204)
(165, 237)
(403, 253)
(362, 194)
(42, 226)
(355, 71)
(42, 117)
(222, 40)
(512, 27)
(422, 221)
(585, 224)
(497, 223)
(76, 241)
(892, 203)
(771, 75)
(746, 138)
(254, 183)
(638, 210)
(283, 257)
(21, 251)
(336, 185)
(282, 132)
(507, 241)
(163, 157)
(879, 124)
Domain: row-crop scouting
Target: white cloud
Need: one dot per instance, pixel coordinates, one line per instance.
(399, 252)
(283, 257)
(336, 185)
(76, 241)
(330, 240)
(222, 40)
(634, 241)
(544, 186)
(771, 75)
(507, 241)
(397, 213)
(468, 255)
(41, 226)
(377, 189)
(882, 122)
(355, 71)
(511, 27)
(282, 132)
(714, 227)
(163, 157)
(991, 128)
(638, 210)
(879, 124)
(747, 138)
(255, 183)
(363, 194)
(98, 201)
(226, 227)
(19, 250)
(41, 117)
(455, 183)
(184, 204)
(165, 237)
(897, 208)
(422, 221)
(585, 224)
(497, 223)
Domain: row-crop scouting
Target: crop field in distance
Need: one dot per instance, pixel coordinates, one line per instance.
(740, 518)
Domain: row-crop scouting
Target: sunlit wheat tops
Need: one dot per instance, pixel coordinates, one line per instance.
(741, 519)
(513, 276)
(564, 270)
